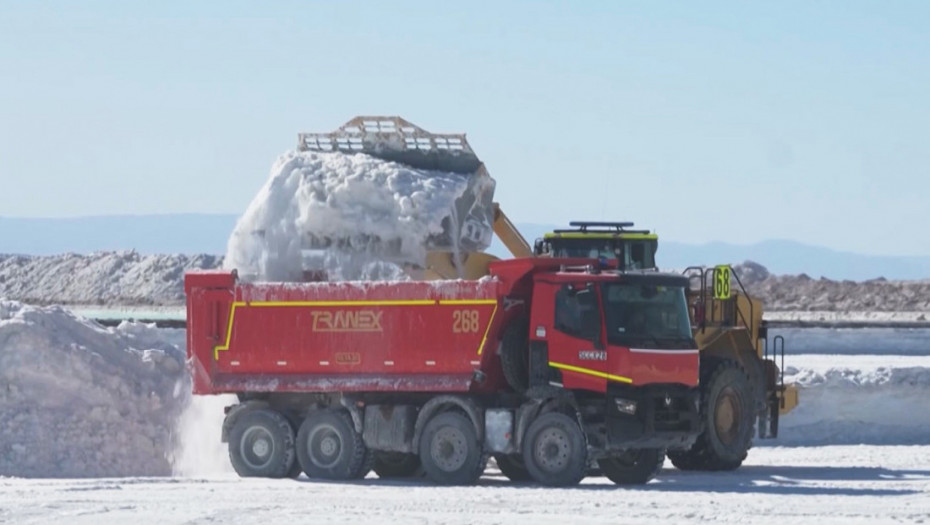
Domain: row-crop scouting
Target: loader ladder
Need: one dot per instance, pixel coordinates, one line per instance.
(737, 315)
(768, 422)
(724, 313)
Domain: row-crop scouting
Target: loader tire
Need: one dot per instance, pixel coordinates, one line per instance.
(261, 444)
(514, 353)
(634, 467)
(449, 450)
(555, 451)
(727, 412)
(328, 447)
(513, 467)
(397, 465)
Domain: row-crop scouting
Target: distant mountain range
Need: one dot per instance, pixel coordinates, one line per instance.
(206, 233)
(188, 233)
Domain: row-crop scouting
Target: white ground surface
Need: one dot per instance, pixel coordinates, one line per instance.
(833, 484)
(77, 399)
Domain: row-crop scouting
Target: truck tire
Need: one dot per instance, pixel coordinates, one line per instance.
(634, 467)
(515, 354)
(512, 466)
(261, 444)
(368, 463)
(727, 412)
(449, 450)
(554, 450)
(295, 471)
(397, 465)
(328, 447)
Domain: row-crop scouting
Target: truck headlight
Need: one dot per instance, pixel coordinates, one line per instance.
(626, 406)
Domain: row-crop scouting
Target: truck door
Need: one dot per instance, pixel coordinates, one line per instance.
(576, 346)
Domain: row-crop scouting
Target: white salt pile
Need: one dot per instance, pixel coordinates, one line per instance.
(850, 399)
(102, 278)
(79, 400)
(355, 217)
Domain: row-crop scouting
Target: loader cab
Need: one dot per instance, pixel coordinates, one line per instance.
(613, 241)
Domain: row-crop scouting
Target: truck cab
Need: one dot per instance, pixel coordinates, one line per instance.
(743, 387)
(620, 342)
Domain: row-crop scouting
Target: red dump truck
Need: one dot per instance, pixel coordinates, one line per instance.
(553, 366)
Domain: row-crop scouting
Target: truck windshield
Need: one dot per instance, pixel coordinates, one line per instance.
(646, 315)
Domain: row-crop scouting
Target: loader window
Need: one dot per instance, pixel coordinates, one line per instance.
(633, 254)
(638, 256)
(576, 312)
(646, 315)
(584, 248)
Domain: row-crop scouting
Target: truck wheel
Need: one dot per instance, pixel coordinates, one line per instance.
(634, 467)
(514, 353)
(295, 471)
(554, 450)
(328, 446)
(728, 416)
(449, 450)
(261, 444)
(368, 463)
(397, 465)
(512, 466)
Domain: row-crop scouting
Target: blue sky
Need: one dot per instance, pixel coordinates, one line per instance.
(731, 121)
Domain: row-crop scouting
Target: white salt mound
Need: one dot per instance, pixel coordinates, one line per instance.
(852, 401)
(79, 400)
(378, 216)
(124, 277)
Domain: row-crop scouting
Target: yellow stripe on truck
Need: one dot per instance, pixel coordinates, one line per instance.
(413, 302)
(488, 329)
(229, 325)
(588, 371)
(468, 301)
(342, 303)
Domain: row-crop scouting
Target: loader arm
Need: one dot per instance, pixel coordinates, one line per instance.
(507, 232)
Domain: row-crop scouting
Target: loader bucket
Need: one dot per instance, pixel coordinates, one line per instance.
(469, 225)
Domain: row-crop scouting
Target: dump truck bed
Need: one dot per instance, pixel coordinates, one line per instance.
(341, 336)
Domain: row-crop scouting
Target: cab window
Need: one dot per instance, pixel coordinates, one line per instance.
(577, 313)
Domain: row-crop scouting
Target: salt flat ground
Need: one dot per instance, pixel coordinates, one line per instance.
(829, 484)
